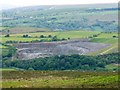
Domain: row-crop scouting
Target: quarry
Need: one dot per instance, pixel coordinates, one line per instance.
(27, 51)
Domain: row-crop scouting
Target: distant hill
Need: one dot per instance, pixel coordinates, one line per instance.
(6, 6)
(102, 17)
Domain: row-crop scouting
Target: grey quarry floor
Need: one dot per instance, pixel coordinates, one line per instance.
(27, 51)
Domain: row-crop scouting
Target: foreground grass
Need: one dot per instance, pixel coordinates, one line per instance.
(59, 79)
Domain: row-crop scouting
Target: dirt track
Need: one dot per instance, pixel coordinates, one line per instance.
(45, 49)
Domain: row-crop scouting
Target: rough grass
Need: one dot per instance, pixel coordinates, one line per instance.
(59, 79)
(16, 30)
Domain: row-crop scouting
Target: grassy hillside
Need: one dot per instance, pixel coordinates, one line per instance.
(57, 18)
(59, 79)
(94, 23)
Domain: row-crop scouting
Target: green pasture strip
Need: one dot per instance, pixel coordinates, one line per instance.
(22, 39)
(60, 35)
(107, 35)
(2, 46)
(18, 39)
(63, 34)
(28, 28)
(7, 69)
(106, 38)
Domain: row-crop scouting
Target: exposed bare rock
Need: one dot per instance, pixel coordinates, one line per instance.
(46, 49)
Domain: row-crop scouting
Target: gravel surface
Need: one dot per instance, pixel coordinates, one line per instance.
(46, 49)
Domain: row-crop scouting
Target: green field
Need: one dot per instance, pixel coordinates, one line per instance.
(7, 69)
(59, 79)
(59, 34)
(106, 38)
(102, 38)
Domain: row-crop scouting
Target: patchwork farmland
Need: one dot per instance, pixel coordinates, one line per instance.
(68, 46)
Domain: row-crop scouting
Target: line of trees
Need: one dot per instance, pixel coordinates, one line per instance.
(42, 39)
(10, 52)
(63, 62)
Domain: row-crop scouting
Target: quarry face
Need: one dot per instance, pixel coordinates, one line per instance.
(27, 51)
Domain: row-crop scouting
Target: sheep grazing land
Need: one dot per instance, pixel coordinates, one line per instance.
(45, 49)
(60, 46)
